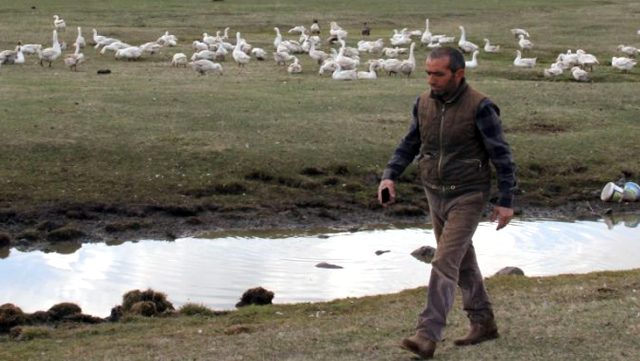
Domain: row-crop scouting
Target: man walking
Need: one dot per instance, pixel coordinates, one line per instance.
(455, 133)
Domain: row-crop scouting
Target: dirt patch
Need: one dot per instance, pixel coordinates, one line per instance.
(40, 227)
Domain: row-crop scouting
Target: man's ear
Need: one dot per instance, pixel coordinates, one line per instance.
(459, 74)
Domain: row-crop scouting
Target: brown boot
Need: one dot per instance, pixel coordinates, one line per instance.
(419, 345)
(479, 332)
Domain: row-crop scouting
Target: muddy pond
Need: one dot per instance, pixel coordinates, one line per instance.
(216, 270)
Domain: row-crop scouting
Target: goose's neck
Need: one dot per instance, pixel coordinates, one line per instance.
(463, 36)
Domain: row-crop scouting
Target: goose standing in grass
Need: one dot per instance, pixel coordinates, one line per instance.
(295, 67)
(259, 53)
(281, 57)
(518, 31)
(623, 63)
(408, 66)
(521, 62)
(328, 66)
(239, 56)
(579, 74)
(465, 45)
(336, 32)
(473, 63)
(372, 47)
(204, 66)
(524, 44)
(199, 45)
(488, 48)
(300, 29)
(52, 53)
(278, 38)
(318, 55)
(339, 74)
(80, 39)
(628, 49)
(179, 59)
(8, 56)
(59, 24)
(345, 62)
(73, 60)
(100, 40)
(426, 34)
(368, 75)
(555, 70)
(586, 60)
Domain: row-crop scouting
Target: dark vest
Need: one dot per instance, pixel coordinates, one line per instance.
(452, 159)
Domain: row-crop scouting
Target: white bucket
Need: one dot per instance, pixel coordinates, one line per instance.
(611, 193)
(631, 192)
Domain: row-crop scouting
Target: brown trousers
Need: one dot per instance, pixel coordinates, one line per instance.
(454, 222)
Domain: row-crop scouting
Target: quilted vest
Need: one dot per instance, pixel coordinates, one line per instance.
(452, 159)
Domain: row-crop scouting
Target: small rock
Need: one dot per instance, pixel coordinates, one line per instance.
(104, 71)
(424, 254)
(513, 271)
(328, 265)
(379, 252)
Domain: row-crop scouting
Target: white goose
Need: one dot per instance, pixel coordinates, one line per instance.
(151, 47)
(278, 39)
(426, 34)
(52, 53)
(328, 66)
(517, 32)
(318, 55)
(465, 45)
(524, 44)
(30, 48)
(628, 49)
(74, 59)
(368, 75)
(579, 74)
(59, 24)
(488, 48)
(129, 53)
(345, 62)
(295, 67)
(239, 56)
(336, 31)
(114, 46)
(179, 59)
(80, 39)
(553, 71)
(315, 27)
(623, 63)
(19, 56)
(281, 57)
(259, 53)
(339, 74)
(204, 66)
(409, 66)
(586, 60)
(473, 63)
(203, 54)
(521, 62)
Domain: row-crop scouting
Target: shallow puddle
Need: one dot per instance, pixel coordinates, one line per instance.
(216, 271)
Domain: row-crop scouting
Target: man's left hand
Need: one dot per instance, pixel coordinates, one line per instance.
(503, 215)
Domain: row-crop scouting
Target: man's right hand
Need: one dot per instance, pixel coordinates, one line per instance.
(391, 186)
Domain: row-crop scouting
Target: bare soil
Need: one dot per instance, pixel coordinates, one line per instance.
(38, 227)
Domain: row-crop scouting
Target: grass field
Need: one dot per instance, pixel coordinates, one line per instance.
(570, 317)
(151, 133)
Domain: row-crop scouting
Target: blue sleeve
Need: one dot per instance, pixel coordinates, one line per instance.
(406, 151)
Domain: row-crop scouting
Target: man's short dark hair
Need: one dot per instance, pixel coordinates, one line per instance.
(456, 59)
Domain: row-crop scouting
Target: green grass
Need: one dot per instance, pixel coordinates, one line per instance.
(149, 133)
(570, 317)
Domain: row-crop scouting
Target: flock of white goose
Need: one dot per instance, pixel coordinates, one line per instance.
(341, 62)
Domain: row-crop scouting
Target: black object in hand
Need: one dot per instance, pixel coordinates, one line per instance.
(386, 196)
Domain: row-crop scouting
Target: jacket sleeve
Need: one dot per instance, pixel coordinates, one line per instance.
(406, 151)
(490, 127)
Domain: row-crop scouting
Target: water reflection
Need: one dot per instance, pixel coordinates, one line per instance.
(629, 220)
(216, 271)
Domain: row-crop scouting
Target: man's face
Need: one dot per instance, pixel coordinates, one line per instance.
(442, 81)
